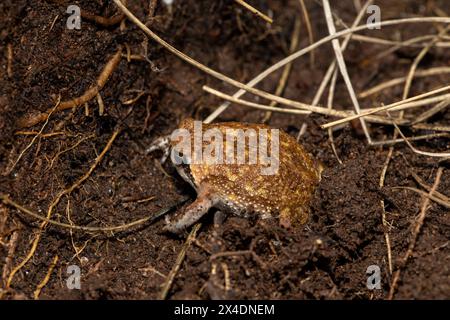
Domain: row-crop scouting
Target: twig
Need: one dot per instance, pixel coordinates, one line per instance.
(427, 187)
(7, 201)
(226, 274)
(408, 81)
(432, 195)
(411, 73)
(105, 22)
(41, 285)
(273, 68)
(425, 153)
(287, 69)
(332, 67)
(178, 262)
(44, 135)
(415, 233)
(309, 29)
(35, 137)
(403, 44)
(12, 245)
(343, 68)
(400, 105)
(383, 211)
(254, 11)
(424, 126)
(101, 104)
(77, 250)
(414, 138)
(330, 106)
(431, 112)
(9, 57)
(53, 205)
(92, 92)
(298, 54)
(320, 110)
(253, 104)
(331, 74)
(417, 60)
(399, 44)
(400, 80)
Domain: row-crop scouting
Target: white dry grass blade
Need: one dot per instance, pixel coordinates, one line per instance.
(332, 74)
(424, 153)
(429, 113)
(400, 105)
(407, 43)
(332, 66)
(420, 56)
(330, 106)
(273, 68)
(415, 138)
(340, 113)
(303, 51)
(342, 67)
(254, 105)
(254, 11)
(397, 81)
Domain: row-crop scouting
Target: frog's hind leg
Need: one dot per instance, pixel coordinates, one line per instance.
(193, 213)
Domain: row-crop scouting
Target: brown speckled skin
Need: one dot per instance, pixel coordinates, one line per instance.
(242, 189)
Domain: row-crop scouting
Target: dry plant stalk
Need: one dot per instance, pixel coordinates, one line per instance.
(46, 279)
(34, 138)
(287, 69)
(7, 201)
(9, 57)
(309, 29)
(254, 11)
(417, 227)
(180, 258)
(92, 92)
(105, 22)
(273, 68)
(55, 203)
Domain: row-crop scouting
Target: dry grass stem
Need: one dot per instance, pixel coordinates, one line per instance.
(92, 92)
(254, 11)
(415, 233)
(176, 267)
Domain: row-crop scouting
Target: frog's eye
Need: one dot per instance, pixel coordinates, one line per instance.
(178, 157)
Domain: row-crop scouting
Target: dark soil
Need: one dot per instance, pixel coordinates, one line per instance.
(326, 259)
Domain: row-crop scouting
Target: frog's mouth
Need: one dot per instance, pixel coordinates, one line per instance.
(185, 172)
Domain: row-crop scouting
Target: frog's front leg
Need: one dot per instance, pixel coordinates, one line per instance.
(193, 213)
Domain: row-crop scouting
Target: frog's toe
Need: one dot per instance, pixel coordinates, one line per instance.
(219, 218)
(160, 144)
(174, 227)
(294, 217)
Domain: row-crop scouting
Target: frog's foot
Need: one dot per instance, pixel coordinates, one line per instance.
(293, 217)
(162, 144)
(193, 213)
(219, 218)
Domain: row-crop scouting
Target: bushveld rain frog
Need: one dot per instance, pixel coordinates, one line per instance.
(242, 169)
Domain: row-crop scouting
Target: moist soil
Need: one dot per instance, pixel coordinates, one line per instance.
(325, 259)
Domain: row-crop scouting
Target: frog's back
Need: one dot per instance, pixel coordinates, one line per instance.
(251, 186)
